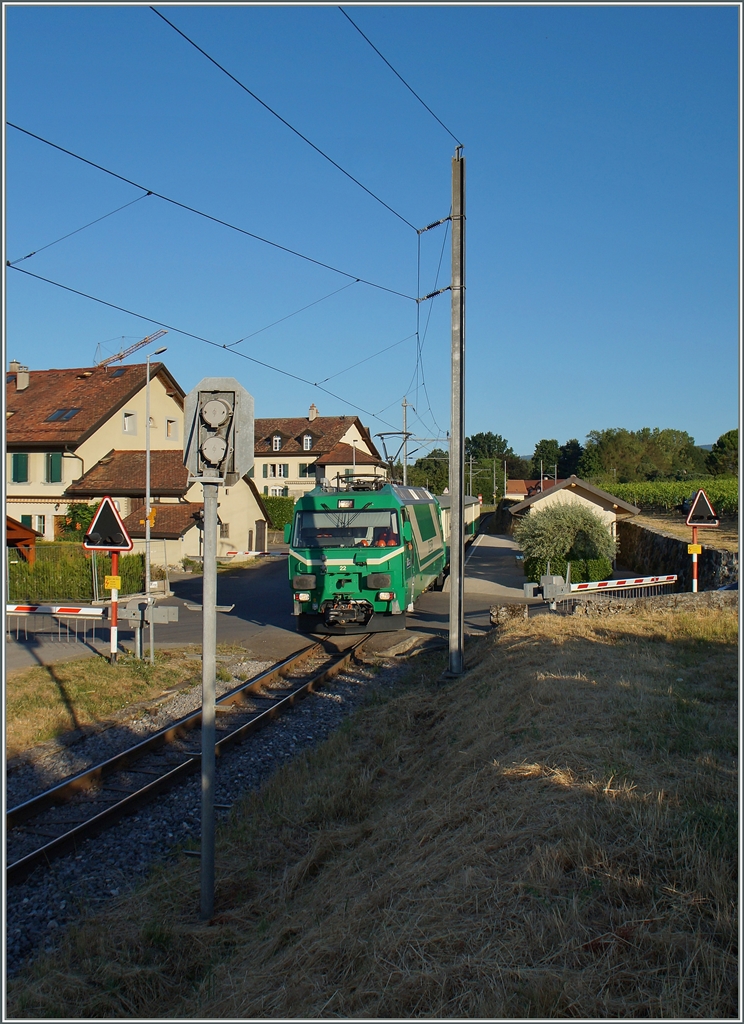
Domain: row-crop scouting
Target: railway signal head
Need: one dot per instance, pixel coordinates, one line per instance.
(218, 442)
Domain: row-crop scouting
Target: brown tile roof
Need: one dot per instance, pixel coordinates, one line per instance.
(172, 520)
(96, 392)
(122, 473)
(620, 506)
(326, 431)
(342, 454)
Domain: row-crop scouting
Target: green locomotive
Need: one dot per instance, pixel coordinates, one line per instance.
(361, 554)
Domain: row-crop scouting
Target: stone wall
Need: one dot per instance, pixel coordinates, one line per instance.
(651, 553)
(608, 604)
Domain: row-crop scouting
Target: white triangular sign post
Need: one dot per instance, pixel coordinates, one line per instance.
(107, 531)
(702, 512)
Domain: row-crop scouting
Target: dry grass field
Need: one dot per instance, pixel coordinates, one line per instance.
(48, 702)
(552, 835)
(724, 536)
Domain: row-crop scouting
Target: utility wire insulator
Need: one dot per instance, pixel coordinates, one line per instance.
(432, 294)
(434, 225)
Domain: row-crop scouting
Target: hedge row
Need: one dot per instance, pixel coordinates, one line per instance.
(280, 511)
(69, 578)
(582, 571)
(665, 495)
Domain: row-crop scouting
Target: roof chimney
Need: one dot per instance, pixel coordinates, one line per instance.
(21, 378)
(14, 366)
(312, 414)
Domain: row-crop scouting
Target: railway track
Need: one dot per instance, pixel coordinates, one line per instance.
(57, 820)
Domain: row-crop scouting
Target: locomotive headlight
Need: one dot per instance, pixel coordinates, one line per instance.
(302, 597)
(385, 595)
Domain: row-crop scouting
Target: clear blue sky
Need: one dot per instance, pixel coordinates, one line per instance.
(602, 200)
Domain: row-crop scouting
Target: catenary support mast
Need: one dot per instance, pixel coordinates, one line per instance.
(457, 444)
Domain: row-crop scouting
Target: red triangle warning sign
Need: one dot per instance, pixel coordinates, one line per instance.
(107, 531)
(702, 512)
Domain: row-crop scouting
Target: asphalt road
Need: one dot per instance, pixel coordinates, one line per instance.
(261, 620)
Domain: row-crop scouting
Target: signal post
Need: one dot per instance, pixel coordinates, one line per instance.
(702, 514)
(107, 533)
(218, 449)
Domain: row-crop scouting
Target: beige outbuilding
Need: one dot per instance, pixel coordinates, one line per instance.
(575, 491)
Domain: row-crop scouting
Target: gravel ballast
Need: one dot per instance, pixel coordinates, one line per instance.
(108, 867)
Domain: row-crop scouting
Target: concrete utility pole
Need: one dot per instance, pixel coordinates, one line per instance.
(148, 506)
(457, 446)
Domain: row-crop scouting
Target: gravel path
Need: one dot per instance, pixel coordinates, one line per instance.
(109, 866)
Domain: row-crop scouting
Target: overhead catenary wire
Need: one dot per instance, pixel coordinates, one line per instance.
(206, 341)
(282, 119)
(290, 315)
(69, 234)
(399, 76)
(367, 358)
(209, 216)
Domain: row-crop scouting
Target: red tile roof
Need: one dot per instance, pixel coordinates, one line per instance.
(342, 454)
(122, 473)
(326, 431)
(172, 520)
(96, 392)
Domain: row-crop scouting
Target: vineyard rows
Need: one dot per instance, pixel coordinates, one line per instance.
(666, 495)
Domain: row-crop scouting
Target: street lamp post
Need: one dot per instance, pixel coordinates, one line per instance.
(157, 352)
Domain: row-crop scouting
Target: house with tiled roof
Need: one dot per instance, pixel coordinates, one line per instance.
(59, 423)
(293, 455)
(518, 490)
(77, 435)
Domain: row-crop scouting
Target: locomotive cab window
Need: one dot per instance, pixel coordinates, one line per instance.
(363, 528)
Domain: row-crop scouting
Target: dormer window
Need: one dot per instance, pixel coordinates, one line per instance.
(307, 442)
(276, 443)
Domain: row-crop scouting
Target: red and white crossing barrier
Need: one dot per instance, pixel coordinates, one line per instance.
(640, 581)
(54, 609)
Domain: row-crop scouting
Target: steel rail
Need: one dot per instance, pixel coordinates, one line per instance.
(66, 790)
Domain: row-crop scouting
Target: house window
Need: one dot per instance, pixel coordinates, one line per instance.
(276, 443)
(307, 443)
(276, 469)
(225, 530)
(278, 492)
(40, 524)
(171, 429)
(19, 468)
(129, 423)
(53, 467)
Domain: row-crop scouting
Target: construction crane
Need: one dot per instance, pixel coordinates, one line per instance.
(132, 348)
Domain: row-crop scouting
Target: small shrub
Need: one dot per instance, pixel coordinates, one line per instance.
(564, 530)
(280, 511)
(583, 570)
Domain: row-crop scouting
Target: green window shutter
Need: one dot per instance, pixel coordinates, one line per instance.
(19, 470)
(285, 492)
(303, 469)
(26, 521)
(54, 467)
(286, 471)
(266, 489)
(265, 471)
